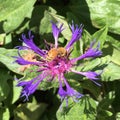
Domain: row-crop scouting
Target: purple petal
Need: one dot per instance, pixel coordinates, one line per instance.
(61, 91)
(22, 61)
(76, 34)
(90, 53)
(23, 48)
(56, 31)
(29, 42)
(29, 87)
(24, 83)
(68, 92)
(90, 75)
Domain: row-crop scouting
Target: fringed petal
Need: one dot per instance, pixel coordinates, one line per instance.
(29, 42)
(76, 34)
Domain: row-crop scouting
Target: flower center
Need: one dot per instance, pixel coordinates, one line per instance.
(57, 61)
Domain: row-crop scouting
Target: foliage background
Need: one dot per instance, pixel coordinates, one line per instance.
(101, 19)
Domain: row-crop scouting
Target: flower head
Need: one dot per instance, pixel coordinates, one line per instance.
(55, 63)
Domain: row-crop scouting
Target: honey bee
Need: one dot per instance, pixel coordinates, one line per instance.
(62, 52)
(52, 54)
(56, 52)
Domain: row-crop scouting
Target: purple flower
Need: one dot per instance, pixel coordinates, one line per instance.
(30, 44)
(56, 31)
(55, 63)
(76, 34)
(68, 91)
(90, 53)
(29, 87)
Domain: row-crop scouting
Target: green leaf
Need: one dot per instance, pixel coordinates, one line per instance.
(106, 101)
(100, 36)
(115, 57)
(50, 15)
(14, 12)
(104, 115)
(76, 49)
(16, 91)
(4, 87)
(8, 41)
(105, 12)
(118, 116)
(103, 110)
(6, 57)
(37, 15)
(45, 25)
(94, 64)
(4, 114)
(114, 41)
(85, 109)
(92, 87)
(2, 39)
(111, 72)
(30, 111)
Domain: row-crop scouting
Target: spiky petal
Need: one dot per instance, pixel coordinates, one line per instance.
(90, 53)
(29, 87)
(56, 31)
(30, 44)
(76, 34)
(68, 91)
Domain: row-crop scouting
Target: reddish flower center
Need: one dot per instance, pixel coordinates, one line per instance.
(59, 65)
(57, 60)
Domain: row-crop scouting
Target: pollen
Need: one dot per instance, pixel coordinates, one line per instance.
(29, 56)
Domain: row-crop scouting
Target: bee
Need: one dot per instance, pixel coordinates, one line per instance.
(52, 54)
(56, 52)
(62, 52)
